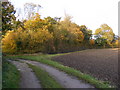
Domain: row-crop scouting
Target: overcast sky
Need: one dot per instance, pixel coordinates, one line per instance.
(91, 13)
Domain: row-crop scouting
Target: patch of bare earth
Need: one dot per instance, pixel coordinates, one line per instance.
(100, 63)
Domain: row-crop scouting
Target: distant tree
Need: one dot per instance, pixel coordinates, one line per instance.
(116, 37)
(73, 33)
(8, 16)
(67, 21)
(30, 9)
(101, 41)
(116, 41)
(57, 19)
(104, 33)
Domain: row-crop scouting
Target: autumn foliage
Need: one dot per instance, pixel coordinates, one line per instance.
(41, 35)
(50, 35)
(92, 42)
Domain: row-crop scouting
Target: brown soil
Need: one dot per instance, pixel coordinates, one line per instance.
(100, 63)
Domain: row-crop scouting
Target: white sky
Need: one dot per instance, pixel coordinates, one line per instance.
(91, 13)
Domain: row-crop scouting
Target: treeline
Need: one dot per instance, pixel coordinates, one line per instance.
(51, 35)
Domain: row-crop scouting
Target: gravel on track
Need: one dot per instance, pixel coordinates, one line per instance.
(28, 78)
(67, 81)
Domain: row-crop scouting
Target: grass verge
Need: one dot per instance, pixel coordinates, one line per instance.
(46, 60)
(10, 75)
(46, 80)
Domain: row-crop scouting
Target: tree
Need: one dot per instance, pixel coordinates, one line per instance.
(101, 41)
(7, 16)
(50, 23)
(116, 41)
(30, 9)
(8, 42)
(73, 33)
(92, 42)
(104, 33)
(17, 24)
(86, 32)
(35, 23)
(66, 22)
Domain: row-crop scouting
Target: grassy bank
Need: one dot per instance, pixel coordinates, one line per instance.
(45, 79)
(46, 60)
(10, 75)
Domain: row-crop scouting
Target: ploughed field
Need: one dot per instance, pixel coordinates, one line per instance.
(100, 63)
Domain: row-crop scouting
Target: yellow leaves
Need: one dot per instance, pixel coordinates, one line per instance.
(98, 31)
(78, 36)
(9, 45)
(29, 39)
(117, 43)
(62, 37)
(105, 27)
(105, 32)
(42, 35)
(70, 31)
(35, 23)
(92, 42)
(37, 17)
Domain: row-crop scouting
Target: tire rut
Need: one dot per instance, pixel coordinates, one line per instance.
(64, 79)
(28, 78)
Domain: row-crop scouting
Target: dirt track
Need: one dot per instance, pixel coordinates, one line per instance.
(28, 78)
(100, 63)
(64, 79)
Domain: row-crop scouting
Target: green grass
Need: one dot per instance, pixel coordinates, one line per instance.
(46, 60)
(10, 75)
(46, 80)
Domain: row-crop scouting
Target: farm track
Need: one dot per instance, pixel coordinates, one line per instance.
(100, 63)
(61, 77)
(28, 78)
